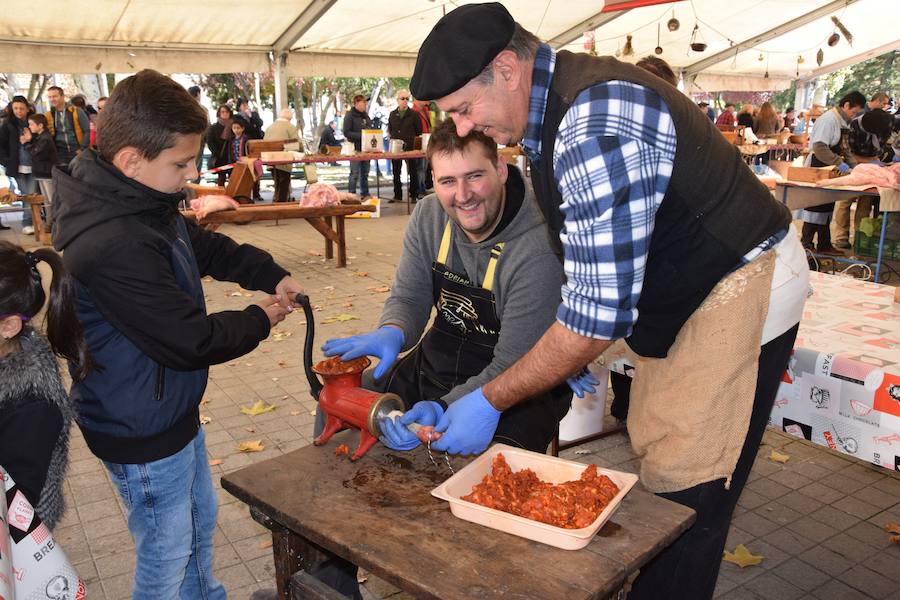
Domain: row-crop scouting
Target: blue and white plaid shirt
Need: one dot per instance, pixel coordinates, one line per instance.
(612, 159)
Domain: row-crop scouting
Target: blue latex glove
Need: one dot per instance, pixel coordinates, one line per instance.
(396, 436)
(468, 425)
(385, 343)
(843, 168)
(896, 158)
(583, 383)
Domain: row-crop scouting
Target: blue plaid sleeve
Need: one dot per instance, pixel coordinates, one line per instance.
(613, 159)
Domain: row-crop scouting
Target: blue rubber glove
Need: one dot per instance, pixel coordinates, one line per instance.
(468, 425)
(385, 343)
(896, 158)
(583, 382)
(843, 168)
(396, 436)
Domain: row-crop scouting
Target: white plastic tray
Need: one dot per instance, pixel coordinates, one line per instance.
(547, 468)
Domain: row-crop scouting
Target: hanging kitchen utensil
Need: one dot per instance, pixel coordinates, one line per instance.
(820, 57)
(658, 49)
(834, 38)
(697, 43)
(673, 23)
(847, 35)
(628, 50)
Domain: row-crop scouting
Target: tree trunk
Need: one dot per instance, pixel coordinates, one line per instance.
(887, 68)
(36, 87)
(323, 114)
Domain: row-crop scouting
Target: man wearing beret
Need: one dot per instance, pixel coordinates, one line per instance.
(670, 244)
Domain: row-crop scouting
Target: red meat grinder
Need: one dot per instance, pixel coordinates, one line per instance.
(343, 399)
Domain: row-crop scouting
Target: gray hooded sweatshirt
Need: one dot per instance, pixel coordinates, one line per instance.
(527, 279)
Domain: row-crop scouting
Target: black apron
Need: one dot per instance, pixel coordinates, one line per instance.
(460, 345)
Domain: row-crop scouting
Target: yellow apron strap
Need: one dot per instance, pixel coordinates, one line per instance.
(488, 283)
(444, 248)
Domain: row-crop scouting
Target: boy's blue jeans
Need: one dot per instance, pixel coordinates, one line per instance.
(171, 509)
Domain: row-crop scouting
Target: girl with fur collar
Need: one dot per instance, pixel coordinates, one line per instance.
(35, 410)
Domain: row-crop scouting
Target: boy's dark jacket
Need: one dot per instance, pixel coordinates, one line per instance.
(43, 154)
(138, 264)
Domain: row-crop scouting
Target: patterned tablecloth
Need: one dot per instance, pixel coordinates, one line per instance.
(842, 387)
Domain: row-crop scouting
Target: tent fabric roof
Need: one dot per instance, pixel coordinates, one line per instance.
(359, 38)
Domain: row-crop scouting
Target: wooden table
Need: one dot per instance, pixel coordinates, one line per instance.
(322, 219)
(379, 514)
(35, 202)
(359, 156)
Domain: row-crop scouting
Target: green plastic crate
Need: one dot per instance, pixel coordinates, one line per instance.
(863, 245)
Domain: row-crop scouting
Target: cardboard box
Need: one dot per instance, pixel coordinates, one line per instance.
(810, 174)
(372, 140)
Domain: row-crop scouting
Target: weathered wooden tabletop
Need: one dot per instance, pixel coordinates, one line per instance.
(379, 514)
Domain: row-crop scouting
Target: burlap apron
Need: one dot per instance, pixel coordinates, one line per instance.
(690, 411)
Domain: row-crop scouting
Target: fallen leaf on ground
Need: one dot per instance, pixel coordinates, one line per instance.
(348, 305)
(295, 413)
(379, 288)
(232, 364)
(235, 294)
(215, 461)
(895, 529)
(259, 407)
(282, 364)
(248, 364)
(340, 318)
(342, 450)
(779, 457)
(584, 452)
(250, 429)
(248, 295)
(280, 335)
(742, 557)
(361, 274)
(328, 288)
(204, 401)
(204, 419)
(285, 397)
(315, 253)
(265, 544)
(251, 446)
(274, 379)
(361, 579)
(312, 412)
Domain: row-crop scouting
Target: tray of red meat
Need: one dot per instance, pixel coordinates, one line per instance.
(543, 498)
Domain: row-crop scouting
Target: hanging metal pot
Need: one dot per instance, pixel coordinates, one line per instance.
(697, 44)
(834, 38)
(673, 23)
(658, 49)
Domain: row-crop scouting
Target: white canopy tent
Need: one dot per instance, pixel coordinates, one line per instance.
(363, 38)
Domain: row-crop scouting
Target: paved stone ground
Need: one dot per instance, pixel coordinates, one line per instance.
(818, 519)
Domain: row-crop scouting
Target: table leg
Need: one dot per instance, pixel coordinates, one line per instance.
(329, 246)
(290, 551)
(36, 221)
(342, 242)
(884, 222)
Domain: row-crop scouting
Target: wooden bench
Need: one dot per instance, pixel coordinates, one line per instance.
(322, 219)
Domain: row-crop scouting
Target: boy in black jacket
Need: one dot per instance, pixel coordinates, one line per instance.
(138, 265)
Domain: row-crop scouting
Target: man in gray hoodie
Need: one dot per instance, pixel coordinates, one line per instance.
(476, 250)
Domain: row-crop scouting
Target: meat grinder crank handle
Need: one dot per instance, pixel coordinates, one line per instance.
(414, 427)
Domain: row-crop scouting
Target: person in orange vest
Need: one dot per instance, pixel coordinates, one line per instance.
(69, 126)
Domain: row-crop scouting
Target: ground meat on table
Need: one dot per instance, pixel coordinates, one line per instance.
(571, 505)
(336, 366)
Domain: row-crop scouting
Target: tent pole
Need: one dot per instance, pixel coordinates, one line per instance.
(280, 83)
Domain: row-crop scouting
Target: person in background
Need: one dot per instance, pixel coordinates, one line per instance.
(745, 116)
(42, 149)
(767, 121)
(218, 140)
(13, 156)
(790, 119)
(727, 118)
(658, 67)
(137, 265)
(355, 121)
(829, 146)
(867, 139)
(328, 139)
(195, 93)
(423, 109)
(254, 121)
(69, 126)
(709, 110)
(36, 412)
(282, 129)
(237, 147)
(880, 100)
(404, 125)
(101, 102)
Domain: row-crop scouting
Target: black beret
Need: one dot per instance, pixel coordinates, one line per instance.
(459, 47)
